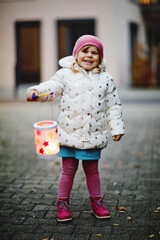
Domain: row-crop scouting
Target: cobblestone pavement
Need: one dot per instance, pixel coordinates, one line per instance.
(129, 170)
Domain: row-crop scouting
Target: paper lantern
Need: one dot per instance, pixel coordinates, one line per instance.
(46, 139)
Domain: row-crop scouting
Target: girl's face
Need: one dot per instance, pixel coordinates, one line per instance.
(88, 57)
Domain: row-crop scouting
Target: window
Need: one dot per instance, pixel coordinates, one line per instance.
(28, 52)
(69, 31)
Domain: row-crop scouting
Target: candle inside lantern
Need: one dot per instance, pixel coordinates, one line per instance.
(46, 139)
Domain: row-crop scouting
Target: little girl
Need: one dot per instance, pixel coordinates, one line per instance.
(89, 101)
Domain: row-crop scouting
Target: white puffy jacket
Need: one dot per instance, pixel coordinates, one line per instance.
(89, 101)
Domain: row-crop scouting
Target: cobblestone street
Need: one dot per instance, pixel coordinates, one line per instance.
(129, 170)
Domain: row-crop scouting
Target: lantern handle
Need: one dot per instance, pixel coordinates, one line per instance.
(34, 97)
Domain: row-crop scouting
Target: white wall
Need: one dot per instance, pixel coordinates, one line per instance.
(111, 17)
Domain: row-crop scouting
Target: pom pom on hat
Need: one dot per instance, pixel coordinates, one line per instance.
(87, 40)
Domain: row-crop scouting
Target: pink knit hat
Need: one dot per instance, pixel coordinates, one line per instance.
(87, 40)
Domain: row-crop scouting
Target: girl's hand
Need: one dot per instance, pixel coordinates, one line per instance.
(30, 94)
(116, 138)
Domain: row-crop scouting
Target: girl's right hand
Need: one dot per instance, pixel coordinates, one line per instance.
(30, 94)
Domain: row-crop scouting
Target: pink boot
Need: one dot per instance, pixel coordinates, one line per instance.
(63, 210)
(98, 208)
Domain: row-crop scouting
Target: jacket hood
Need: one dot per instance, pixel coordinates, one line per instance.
(66, 62)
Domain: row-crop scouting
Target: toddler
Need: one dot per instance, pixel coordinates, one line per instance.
(89, 102)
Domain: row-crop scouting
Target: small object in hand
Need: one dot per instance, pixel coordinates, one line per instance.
(34, 97)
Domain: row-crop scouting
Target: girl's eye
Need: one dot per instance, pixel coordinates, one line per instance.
(95, 53)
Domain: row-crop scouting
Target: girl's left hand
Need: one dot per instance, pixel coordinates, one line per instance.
(116, 138)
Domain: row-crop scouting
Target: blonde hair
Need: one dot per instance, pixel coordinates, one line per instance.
(73, 67)
(97, 69)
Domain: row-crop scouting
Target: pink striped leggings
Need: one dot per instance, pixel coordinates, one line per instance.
(69, 168)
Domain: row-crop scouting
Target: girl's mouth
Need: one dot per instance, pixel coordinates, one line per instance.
(88, 61)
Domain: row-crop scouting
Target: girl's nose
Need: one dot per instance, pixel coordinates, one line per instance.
(89, 54)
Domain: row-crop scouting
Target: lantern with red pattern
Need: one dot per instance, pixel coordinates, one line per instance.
(46, 139)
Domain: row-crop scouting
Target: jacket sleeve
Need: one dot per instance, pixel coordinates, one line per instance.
(56, 85)
(114, 110)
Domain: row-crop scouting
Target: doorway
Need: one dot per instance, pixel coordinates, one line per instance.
(133, 38)
(27, 52)
(140, 71)
(69, 31)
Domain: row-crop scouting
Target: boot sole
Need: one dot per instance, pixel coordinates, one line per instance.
(64, 220)
(103, 217)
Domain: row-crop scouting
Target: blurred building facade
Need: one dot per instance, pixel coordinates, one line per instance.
(146, 59)
(35, 34)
